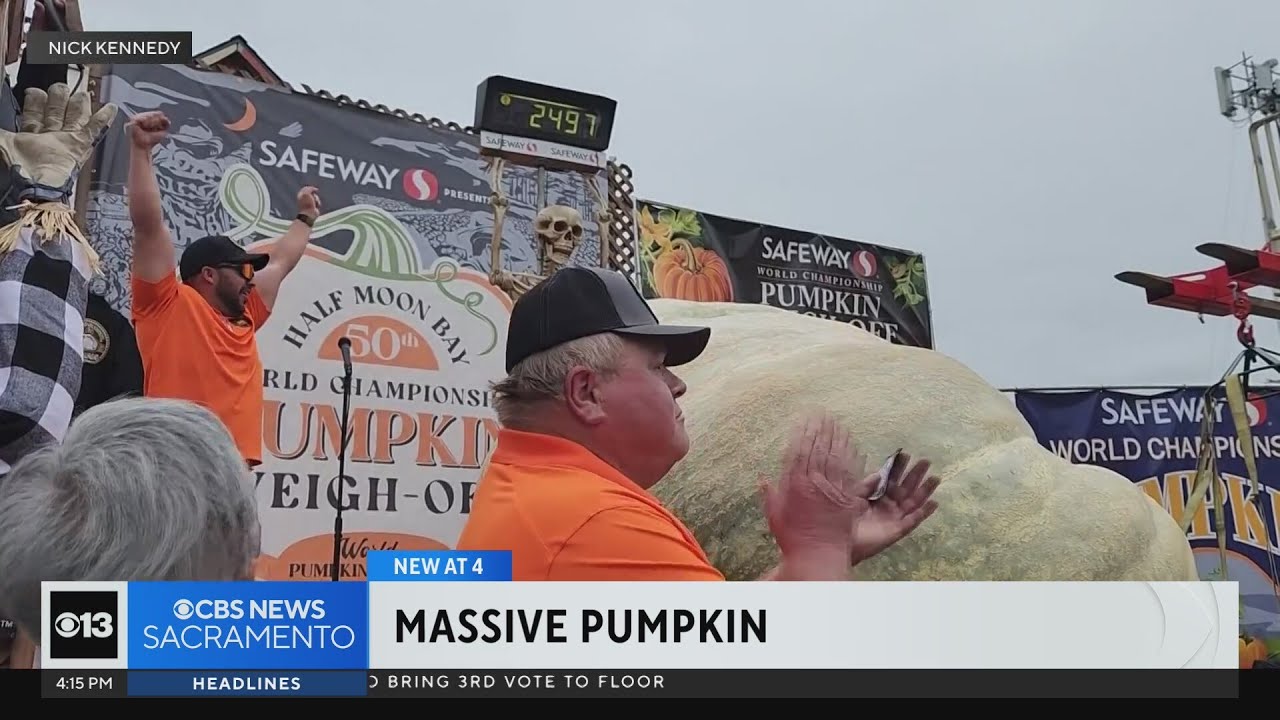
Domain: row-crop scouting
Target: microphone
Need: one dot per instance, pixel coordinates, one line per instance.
(344, 344)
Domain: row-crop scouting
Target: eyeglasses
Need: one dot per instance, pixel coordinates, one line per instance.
(246, 269)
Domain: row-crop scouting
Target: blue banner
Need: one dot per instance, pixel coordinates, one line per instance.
(193, 683)
(238, 625)
(1154, 441)
(439, 566)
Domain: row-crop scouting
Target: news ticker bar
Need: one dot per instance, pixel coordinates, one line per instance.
(676, 684)
(444, 610)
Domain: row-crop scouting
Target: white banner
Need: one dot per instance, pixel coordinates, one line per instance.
(398, 263)
(775, 625)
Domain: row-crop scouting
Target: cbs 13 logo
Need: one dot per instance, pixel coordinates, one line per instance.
(83, 624)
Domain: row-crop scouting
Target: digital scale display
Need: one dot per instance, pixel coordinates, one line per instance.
(539, 112)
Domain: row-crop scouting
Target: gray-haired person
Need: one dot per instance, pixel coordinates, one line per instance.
(140, 489)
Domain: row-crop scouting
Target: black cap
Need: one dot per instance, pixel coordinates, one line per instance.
(215, 250)
(576, 302)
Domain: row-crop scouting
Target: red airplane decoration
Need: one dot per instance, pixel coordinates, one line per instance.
(1218, 291)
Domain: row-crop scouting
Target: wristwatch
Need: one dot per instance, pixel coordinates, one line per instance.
(310, 221)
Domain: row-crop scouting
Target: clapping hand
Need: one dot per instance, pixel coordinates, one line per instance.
(906, 504)
(820, 511)
(812, 509)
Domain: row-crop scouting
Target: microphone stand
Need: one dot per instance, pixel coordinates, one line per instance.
(342, 457)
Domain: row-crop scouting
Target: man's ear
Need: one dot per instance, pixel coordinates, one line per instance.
(582, 395)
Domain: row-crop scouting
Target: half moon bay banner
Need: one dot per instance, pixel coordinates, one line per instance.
(1154, 441)
(691, 255)
(398, 263)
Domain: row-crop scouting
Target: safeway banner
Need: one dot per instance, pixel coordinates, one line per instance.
(690, 255)
(1154, 441)
(398, 263)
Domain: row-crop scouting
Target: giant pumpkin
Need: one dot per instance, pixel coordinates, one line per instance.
(688, 273)
(1009, 509)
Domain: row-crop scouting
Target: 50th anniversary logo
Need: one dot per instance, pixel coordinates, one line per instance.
(425, 342)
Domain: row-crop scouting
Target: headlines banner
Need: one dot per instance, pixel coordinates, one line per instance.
(1154, 441)
(398, 263)
(690, 255)
(448, 623)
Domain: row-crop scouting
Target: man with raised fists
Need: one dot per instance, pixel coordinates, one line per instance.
(197, 330)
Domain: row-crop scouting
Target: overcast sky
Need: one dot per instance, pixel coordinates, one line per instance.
(1030, 150)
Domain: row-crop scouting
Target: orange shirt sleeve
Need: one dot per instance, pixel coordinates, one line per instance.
(256, 309)
(629, 543)
(152, 298)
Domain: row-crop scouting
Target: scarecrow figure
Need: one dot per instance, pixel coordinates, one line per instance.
(45, 268)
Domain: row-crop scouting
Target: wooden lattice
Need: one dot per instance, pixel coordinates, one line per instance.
(622, 231)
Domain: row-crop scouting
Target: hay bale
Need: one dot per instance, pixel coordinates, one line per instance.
(1009, 509)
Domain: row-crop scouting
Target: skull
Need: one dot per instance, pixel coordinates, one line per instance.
(559, 230)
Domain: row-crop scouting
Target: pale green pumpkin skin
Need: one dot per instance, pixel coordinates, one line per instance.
(1009, 509)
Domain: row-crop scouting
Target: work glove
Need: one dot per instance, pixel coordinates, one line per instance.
(56, 138)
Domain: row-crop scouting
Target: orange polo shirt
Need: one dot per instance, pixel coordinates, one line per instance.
(192, 352)
(565, 514)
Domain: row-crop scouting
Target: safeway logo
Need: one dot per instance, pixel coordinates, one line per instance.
(863, 264)
(1256, 411)
(494, 142)
(421, 184)
(581, 156)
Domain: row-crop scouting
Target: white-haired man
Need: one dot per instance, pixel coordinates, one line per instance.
(140, 489)
(590, 421)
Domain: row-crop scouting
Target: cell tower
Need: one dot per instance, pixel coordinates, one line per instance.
(1250, 89)
(1249, 95)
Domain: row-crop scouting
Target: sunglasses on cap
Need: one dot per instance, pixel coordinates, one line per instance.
(246, 269)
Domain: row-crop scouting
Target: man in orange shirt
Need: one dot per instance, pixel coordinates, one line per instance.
(198, 337)
(590, 421)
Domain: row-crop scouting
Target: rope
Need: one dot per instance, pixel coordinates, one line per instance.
(49, 221)
(1240, 417)
(1207, 467)
(603, 219)
(498, 200)
(1206, 464)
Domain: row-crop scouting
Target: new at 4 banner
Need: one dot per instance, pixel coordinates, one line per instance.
(689, 255)
(1154, 441)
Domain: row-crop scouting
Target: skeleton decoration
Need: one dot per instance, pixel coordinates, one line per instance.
(559, 230)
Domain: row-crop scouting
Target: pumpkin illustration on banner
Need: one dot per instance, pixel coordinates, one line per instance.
(689, 273)
(1252, 650)
(673, 266)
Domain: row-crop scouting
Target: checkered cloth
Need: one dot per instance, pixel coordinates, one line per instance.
(44, 286)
